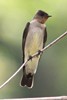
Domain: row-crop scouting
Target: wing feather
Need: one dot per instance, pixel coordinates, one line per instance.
(45, 37)
(25, 33)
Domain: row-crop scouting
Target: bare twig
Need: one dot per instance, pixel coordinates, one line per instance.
(49, 45)
(43, 98)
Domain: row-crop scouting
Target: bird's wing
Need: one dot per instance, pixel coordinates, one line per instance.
(45, 37)
(24, 38)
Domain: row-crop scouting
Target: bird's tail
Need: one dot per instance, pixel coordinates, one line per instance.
(27, 80)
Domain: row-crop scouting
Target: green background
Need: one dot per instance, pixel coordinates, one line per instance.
(51, 76)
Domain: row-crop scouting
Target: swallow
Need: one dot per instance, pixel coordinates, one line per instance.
(33, 40)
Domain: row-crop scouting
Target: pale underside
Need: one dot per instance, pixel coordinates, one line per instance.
(34, 42)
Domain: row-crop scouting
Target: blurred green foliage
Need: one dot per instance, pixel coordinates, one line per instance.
(51, 76)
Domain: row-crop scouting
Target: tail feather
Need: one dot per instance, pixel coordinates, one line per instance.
(27, 80)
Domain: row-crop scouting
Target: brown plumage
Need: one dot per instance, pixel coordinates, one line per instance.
(34, 38)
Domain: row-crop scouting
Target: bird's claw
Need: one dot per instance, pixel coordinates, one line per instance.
(39, 52)
(30, 57)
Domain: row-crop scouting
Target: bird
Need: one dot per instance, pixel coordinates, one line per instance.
(33, 40)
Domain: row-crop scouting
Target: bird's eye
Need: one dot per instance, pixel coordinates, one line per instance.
(41, 14)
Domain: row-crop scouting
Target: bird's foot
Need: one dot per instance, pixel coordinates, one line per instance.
(30, 57)
(39, 52)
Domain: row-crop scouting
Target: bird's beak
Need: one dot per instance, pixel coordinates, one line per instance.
(49, 16)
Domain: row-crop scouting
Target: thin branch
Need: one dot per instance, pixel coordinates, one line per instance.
(49, 45)
(43, 98)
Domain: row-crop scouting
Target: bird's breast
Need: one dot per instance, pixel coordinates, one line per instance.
(34, 40)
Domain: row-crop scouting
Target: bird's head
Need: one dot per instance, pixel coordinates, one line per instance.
(41, 16)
